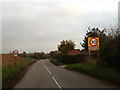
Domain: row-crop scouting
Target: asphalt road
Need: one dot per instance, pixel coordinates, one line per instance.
(44, 74)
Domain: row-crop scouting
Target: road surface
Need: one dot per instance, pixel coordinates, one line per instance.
(44, 74)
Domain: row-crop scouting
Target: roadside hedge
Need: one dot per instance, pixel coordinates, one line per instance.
(70, 59)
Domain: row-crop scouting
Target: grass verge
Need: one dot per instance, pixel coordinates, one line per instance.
(11, 73)
(56, 62)
(96, 71)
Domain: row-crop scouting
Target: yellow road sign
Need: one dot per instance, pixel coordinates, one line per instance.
(93, 43)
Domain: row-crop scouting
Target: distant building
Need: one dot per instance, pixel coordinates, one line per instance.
(78, 50)
(74, 52)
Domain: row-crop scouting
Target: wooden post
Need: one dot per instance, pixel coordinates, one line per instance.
(15, 61)
(89, 57)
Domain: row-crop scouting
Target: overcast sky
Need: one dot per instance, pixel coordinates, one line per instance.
(40, 25)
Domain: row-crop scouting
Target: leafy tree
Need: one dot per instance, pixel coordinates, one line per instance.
(110, 49)
(66, 46)
(36, 55)
(54, 54)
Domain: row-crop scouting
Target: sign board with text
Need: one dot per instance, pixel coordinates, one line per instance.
(93, 43)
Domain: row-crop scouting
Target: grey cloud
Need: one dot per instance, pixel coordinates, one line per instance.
(41, 26)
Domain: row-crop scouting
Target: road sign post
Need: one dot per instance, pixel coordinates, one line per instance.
(89, 57)
(15, 54)
(15, 61)
(93, 45)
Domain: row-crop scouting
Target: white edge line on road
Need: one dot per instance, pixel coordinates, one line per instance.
(57, 83)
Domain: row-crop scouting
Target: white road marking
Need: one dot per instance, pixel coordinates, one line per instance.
(44, 65)
(53, 77)
(56, 83)
(46, 68)
(49, 72)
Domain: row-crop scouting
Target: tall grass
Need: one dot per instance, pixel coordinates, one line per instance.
(8, 72)
(96, 71)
